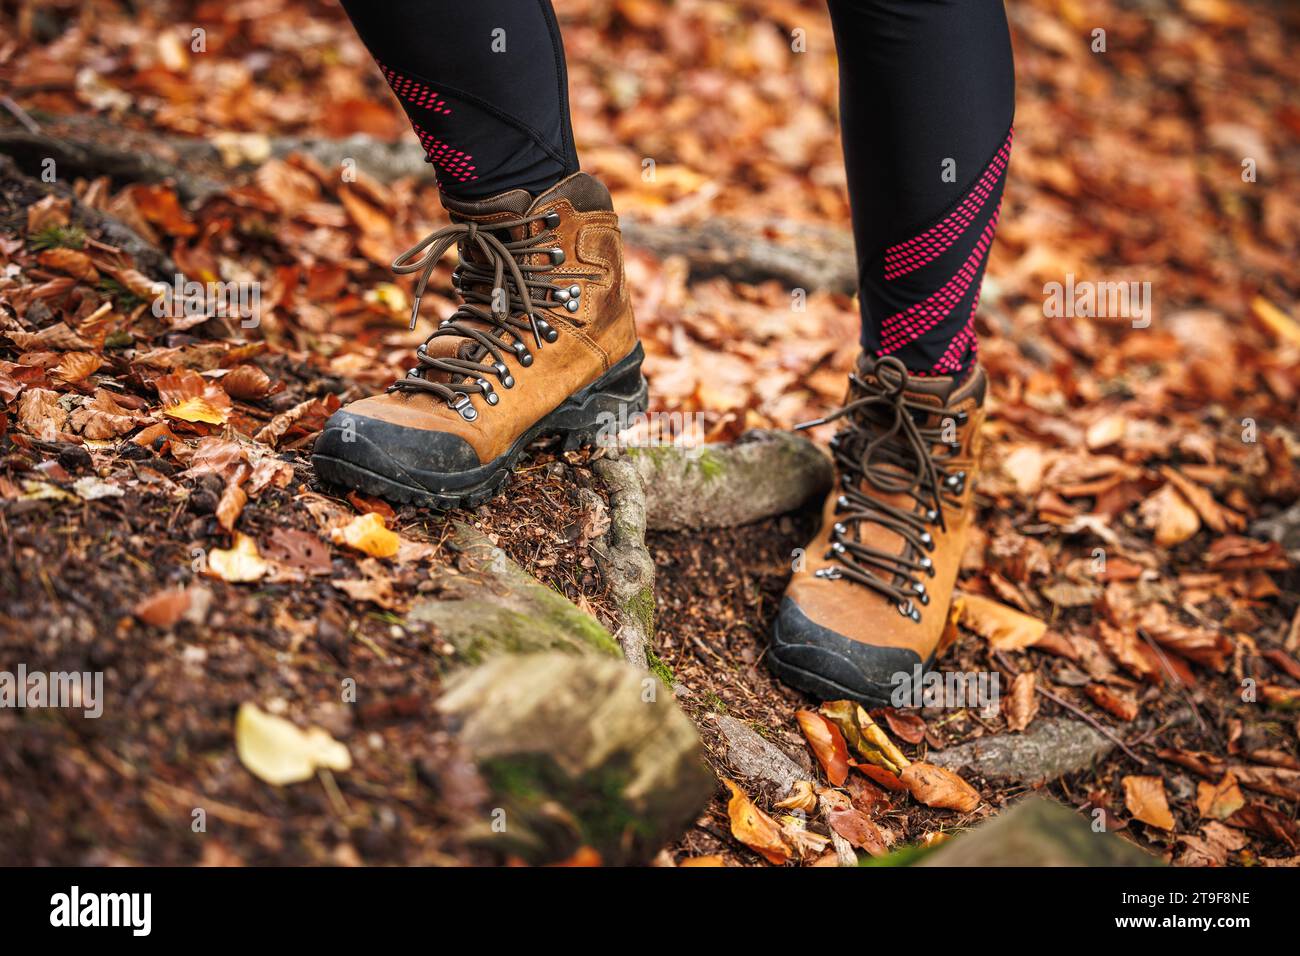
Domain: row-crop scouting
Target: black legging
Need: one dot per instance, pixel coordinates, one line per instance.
(927, 93)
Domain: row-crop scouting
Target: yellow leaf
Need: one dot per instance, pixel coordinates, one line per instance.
(274, 750)
(368, 534)
(196, 409)
(242, 562)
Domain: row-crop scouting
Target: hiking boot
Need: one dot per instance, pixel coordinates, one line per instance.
(544, 343)
(871, 600)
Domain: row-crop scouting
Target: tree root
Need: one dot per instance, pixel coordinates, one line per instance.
(762, 474)
(625, 561)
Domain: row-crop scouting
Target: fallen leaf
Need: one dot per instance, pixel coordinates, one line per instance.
(367, 533)
(1218, 801)
(1169, 515)
(1145, 799)
(1003, 627)
(278, 752)
(754, 828)
(827, 745)
(939, 787)
(1021, 705)
(240, 563)
(1117, 703)
(802, 797)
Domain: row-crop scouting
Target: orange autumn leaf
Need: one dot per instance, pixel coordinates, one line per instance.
(938, 787)
(1145, 799)
(367, 533)
(754, 828)
(1121, 704)
(77, 366)
(1003, 627)
(827, 745)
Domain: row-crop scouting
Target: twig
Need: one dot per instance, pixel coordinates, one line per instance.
(21, 115)
(1097, 725)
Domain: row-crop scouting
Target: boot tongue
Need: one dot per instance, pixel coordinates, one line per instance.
(515, 202)
(939, 390)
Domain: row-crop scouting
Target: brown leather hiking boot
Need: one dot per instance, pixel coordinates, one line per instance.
(544, 343)
(872, 598)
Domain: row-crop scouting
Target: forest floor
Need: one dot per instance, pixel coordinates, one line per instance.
(1138, 505)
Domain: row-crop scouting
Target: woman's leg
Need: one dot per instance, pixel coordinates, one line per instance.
(927, 96)
(484, 85)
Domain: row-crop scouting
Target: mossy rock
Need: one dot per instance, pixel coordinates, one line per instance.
(495, 607)
(580, 752)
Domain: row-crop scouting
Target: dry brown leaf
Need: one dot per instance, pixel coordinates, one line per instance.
(939, 787)
(40, 414)
(1021, 705)
(1218, 801)
(1145, 799)
(247, 382)
(1170, 516)
(802, 797)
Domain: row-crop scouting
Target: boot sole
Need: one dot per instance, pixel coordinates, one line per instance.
(824, 688)
(580, 419)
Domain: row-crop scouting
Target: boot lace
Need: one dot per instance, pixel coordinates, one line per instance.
(892, 445)
(504, 301)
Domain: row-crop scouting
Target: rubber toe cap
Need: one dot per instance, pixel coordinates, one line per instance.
(411, 456)
(829, 665)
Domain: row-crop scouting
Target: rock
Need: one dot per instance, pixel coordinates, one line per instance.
(1038, 832)
(580, 751)
(496, 607)
(1052, 747)
(761, 474)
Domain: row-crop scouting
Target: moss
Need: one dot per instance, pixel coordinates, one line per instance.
(709, 464)
(642, 607)
(659, 668)
(56, 237)
(480, 629)
(715, 703)
(595, 808)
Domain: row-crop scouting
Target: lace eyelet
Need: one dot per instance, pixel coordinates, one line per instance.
(488, 394)
(556, 256)
(465, 407)
(840, 528)
(503, 374)
(837, 547)
(828, 574)
(575, 291)
(551, 220)
(524, 356)
(547, 331)
(572, 305)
